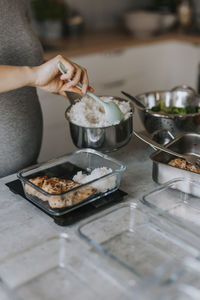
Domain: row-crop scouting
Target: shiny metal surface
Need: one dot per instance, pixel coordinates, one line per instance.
(105, 139)
(137, 103)
(190, 158)
(176, 124)
(188, 143)
(162, 137)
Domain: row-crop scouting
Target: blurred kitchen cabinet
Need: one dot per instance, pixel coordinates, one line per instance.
(130, 67)
(142, 68)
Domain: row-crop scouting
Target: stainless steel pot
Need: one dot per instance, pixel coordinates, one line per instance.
(187, 143)
(105, 139)
(176, 124)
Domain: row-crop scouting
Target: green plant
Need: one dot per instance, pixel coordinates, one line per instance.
(49, 10)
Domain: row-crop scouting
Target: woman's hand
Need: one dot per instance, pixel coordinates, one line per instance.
(48, 77)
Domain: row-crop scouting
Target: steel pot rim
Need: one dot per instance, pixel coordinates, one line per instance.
(163, 115)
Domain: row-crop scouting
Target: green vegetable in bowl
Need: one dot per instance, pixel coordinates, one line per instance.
(161, 108)
(189, 109)
(178, 110)
(156, 108)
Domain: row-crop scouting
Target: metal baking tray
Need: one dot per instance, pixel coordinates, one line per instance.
(172, 282)
(60, 268)
(178, 199)
(66, 167)
(188, 143)
(138, 239)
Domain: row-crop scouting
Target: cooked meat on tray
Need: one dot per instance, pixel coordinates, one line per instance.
(182, 164)
(55, 186)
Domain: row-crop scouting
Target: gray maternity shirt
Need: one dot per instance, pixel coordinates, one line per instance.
(20, 112)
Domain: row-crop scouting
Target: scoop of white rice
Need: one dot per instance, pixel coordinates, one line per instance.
(89, 113)
(101, 185)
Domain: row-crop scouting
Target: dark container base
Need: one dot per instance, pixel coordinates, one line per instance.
(81, 212)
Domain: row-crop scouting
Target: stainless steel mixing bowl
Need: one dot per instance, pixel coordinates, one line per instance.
(175, 123)
(105, 139)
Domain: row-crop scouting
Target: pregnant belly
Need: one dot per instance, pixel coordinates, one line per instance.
(20, 130)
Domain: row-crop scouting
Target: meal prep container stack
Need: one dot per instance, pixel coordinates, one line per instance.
(145, 250)
(161, 251)
(177, 201)
(148, 251)
(132, 255)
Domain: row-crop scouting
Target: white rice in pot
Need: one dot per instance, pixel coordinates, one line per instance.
(89, 113)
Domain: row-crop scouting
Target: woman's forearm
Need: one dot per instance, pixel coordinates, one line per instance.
(14, 77)
(46, 76)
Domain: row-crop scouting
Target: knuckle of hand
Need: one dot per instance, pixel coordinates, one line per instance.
(69, 84)
(72, 70)
(79, 73)
(75, 81)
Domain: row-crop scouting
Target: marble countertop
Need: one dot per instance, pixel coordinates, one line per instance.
(22, 224)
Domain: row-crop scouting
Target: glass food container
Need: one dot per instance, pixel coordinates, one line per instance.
(66, 167)
(138, 239)
(60, 268)
(180, 281)
(179, 200)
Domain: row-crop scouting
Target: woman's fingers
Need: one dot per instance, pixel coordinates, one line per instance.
(62, 93)
(69, 67)
(74, 89)
(90, 89)
(75, 80)
(84, 81)
(74, 74)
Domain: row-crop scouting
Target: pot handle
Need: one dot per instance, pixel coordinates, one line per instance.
(136, 102)
(185, 88)
(154, 144)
